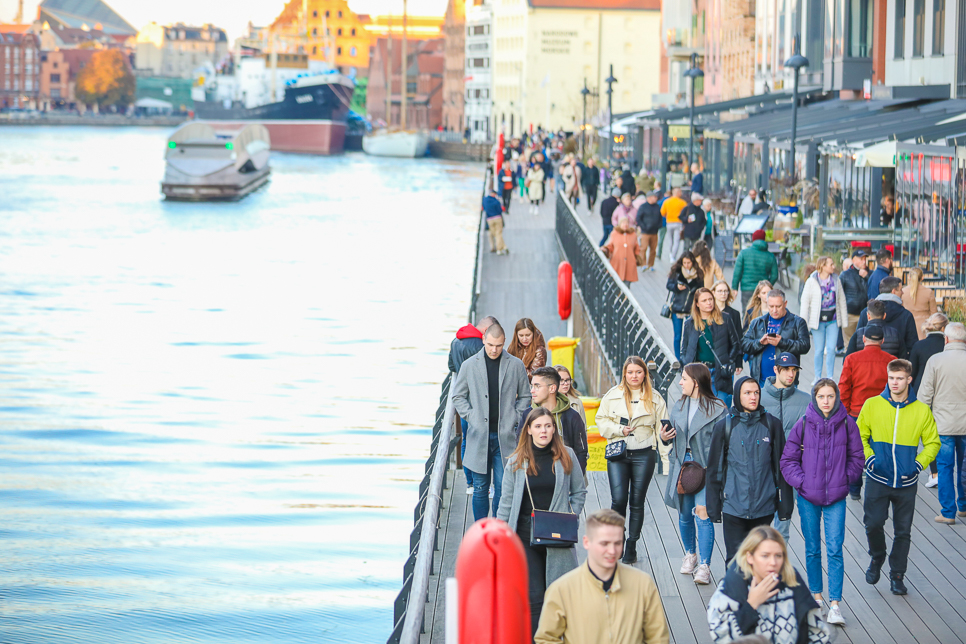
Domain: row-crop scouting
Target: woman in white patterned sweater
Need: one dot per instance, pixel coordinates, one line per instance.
(763, 594)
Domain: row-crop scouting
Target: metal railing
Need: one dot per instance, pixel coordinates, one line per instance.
(620, 324)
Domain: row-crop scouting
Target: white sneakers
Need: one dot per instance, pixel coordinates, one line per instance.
(703, 575)
(835, 616)
(689, 564)
(933, 481)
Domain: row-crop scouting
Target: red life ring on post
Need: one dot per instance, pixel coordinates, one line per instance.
(565, 281)
(493, 586)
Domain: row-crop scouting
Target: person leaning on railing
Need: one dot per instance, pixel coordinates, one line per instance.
(541, 474)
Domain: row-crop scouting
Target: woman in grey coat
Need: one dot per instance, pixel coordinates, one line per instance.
(692, 419)
(542, 473)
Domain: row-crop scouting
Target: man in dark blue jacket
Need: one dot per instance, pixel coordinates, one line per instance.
(896, 315)
(883, 269)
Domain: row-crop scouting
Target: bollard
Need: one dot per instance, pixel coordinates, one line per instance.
(493, 587)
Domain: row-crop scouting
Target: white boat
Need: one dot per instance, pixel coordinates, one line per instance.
(408, 144)
(205, 163)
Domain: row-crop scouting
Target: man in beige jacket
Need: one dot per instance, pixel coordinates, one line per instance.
(603, 600)
(943, 389)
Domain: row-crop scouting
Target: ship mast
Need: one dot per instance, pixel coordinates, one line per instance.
(405, 73)
(389, 76)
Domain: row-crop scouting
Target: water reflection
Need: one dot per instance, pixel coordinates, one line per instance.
(213, 417)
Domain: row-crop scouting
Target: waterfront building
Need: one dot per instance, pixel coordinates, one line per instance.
(728, 49)
(677, 32)
(478, 69)
(544, 49)
(58, 77)
(52, 38)
(924, 46)
(424, 95)
(85, 14)
(177, 50)
(19, 66)
(454, 65)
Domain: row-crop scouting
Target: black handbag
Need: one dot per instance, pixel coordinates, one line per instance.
(616, 451)
(690, 478)
(551, 529)
(666, 309)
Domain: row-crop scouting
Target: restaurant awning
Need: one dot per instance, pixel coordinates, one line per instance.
(879, 155)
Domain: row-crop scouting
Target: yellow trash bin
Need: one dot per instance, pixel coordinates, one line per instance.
(595, 442)
(562, 351)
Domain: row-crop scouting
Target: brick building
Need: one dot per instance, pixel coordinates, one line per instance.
(424, 96)
(19, 66)
(58, 77)
(454, 32)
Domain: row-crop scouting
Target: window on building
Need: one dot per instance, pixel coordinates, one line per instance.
(338, 51)
(315, 50)
(55, 92)
(918, 27)
(338, 32)
(315, 31)
(55, 78)
(28, 84)
(860, 28)
(814, 35)
(352, 52)
(938, 26)
(353, 32)
(899, 44)
(315, 13)
(16, 83)
(326, 13)
(340, 14)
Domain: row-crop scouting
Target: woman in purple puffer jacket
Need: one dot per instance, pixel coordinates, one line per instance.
(822, 455)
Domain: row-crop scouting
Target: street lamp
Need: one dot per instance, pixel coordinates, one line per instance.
(584, 93)
(694, 73)
(796, 62)
(610, 80)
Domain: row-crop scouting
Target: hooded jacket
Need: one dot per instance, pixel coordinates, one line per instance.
(744, 473)
(875, 277)
(754, 264)
(823, 455)
(468, 341)
(796, 340)
(649, 218)
(569, 426)
(891, 432)
(864, 374)
(897, 317)
(788, 405)
(692, 434)
(731, 617)
(607, 208)
(891, 343)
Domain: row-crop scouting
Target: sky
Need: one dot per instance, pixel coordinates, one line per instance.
(217, 12)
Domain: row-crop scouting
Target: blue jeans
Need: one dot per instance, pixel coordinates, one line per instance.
(834, 517)
(466, 471)
(823, 341)
(481, 481)
(608, 229)
(952, 496)
(678, 324)
(687, 520)
(725, 396)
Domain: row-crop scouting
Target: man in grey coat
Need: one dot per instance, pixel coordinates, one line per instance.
(491, 391)
(943, 389)
(786, 402)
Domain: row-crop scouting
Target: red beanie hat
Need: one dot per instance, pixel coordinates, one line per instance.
(758, 234)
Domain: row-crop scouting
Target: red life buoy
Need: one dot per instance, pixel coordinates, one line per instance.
(493, 587)
(565, 275)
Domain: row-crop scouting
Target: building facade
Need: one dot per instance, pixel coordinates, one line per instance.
(925, 44)
(543, 50)
(729, 50)
(677, 28)
(177, 50)
(424, 83)
(454, 24)
(58, 77)
(478, 70)
(780, 32)
(19, 66)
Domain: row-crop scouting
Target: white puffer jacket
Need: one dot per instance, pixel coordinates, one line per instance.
(811, 309)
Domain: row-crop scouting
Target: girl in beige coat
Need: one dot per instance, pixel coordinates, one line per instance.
(918, 299)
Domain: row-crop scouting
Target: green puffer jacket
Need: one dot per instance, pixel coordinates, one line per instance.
(754, 264)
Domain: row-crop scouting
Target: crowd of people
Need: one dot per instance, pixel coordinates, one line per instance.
(745, 446)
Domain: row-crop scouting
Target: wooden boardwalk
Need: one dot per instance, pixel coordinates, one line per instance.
(934, 611)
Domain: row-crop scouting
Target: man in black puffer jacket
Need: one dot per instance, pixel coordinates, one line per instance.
(855, 283)
(896, 315)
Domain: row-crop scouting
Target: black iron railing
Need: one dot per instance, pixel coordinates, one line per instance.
(621, 325)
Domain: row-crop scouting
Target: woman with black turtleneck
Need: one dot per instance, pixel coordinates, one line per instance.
(744, 479)
(542, 473)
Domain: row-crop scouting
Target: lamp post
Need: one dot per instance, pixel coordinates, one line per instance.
(610, 80)
(795, 63)
(584, 93)
(694, 73)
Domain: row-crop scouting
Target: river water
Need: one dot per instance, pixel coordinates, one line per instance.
(214, 417)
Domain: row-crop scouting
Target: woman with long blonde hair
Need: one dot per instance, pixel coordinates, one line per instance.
(757, 305)
(709, 339)
(762, 577)
(918, 299)
(542, 474)
(528, 344)
(631, 413)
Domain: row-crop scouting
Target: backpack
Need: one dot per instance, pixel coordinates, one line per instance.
(890, 340)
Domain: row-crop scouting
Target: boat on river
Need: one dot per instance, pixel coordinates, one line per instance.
(404, 143)
(205, 163)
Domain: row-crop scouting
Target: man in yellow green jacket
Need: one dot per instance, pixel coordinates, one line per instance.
(892, 426)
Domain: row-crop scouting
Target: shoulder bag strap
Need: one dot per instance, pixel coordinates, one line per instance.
(724, 451)
(526, 478)
(716, 358)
